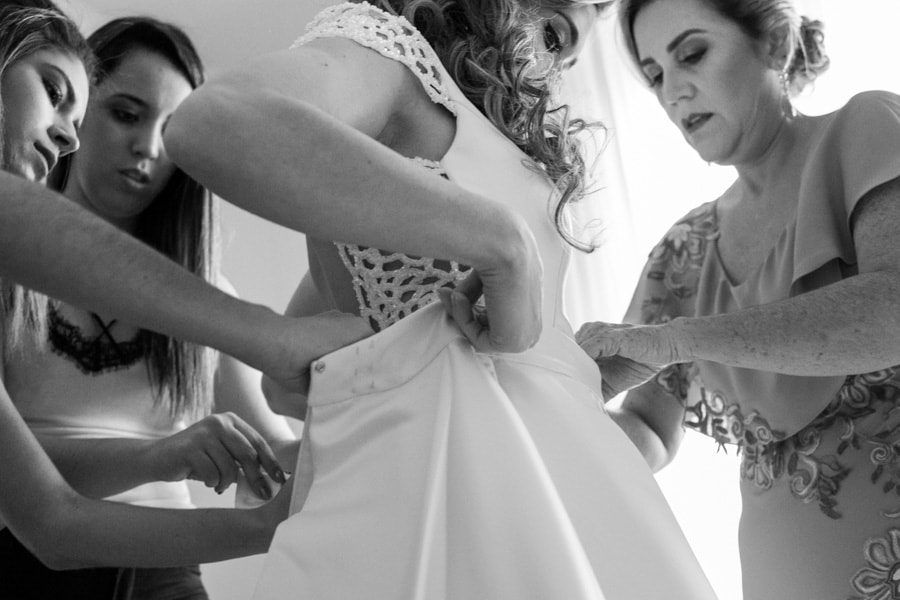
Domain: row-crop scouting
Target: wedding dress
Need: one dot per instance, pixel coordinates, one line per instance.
(430, 471)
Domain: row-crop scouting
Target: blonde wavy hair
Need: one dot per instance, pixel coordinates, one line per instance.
(487, 46)
(25, 29)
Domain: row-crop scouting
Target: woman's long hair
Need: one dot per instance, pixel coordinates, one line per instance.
(27, 28)
(181, 222)
(487, 48)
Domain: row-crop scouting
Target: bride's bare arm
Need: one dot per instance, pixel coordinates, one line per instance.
(299, 137)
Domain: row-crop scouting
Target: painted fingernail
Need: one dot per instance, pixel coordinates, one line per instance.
(264, 492)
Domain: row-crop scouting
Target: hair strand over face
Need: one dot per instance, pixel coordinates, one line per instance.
(25, 29)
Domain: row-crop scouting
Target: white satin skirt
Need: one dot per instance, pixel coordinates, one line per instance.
(432, 472)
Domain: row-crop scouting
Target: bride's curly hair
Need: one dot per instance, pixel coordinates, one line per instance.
(487, 46)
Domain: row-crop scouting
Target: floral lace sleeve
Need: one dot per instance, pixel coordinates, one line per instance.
(668, 286)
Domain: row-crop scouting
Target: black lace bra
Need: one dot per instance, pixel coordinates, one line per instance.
(93, 355)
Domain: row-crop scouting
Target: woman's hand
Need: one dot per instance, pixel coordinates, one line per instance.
(215, 451)
(282, 400)
(303, 340)
(627, 355)
(510, 319)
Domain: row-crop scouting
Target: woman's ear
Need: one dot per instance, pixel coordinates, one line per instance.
(780, 47)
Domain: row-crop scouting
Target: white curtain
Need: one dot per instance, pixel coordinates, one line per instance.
(647, 177)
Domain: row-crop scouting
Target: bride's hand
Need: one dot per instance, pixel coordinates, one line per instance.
(510, 320)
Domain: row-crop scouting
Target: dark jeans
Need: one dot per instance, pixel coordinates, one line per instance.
(175, 583)
(24, 577)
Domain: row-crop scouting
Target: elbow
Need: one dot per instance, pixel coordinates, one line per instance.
(56, 561)
(657, 448)
(188, 124)
(55, 534)
(663, 453)
(198, 123)
(57, 552)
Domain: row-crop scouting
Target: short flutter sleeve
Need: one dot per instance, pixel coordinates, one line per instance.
(859, 151)
(856, 150)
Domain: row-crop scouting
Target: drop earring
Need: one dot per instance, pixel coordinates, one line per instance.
(787, 108)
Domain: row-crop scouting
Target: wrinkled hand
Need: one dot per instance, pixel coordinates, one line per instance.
(627, 355)
(215, 451)
(621, 374)
(304, 340)
(510, 319)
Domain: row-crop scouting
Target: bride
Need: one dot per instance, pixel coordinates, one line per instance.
(447, 458)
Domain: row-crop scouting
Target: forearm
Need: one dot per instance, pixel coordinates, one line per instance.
(67, 530)
(129, 536)
(99, 468)
(317, 170)
(851, 326)
(306, 300)
(45, 240)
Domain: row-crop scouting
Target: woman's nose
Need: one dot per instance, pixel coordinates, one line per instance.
(674, 88)
(65, 136)
(149, 143)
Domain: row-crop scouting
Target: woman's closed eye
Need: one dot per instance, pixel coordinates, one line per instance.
(692, 56)
(54, 92)
(552, 39)
(124, 116)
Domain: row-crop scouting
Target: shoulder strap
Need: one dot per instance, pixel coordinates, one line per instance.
(390, 35)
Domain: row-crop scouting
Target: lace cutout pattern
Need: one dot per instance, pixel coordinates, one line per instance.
(92, 356)
(390, 35)
(390, 286)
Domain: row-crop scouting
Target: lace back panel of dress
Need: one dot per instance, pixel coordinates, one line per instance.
(388, 285)
(391, 285)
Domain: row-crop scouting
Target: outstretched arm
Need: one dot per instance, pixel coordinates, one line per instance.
(851, 326)
(50, 244)
(67, 530)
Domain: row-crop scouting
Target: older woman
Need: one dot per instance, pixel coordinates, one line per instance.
(778, 299)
